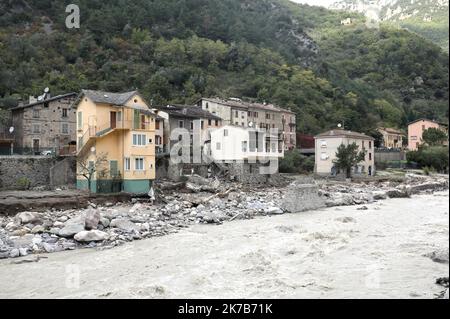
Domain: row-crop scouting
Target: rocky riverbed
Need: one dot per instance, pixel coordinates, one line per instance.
(396, 248)
(196, 201)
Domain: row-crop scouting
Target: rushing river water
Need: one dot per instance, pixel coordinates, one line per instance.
(331, 253)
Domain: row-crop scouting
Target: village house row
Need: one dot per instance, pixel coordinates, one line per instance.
(130, 138)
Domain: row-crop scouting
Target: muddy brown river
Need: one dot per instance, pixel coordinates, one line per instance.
(331, 253)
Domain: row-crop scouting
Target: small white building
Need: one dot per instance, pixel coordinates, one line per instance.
(326, 145)
(238, 144)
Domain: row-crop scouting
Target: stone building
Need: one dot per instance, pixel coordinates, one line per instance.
(392, 138)
(183, 117)
(254, 115)
(45, 126)
(326, 147)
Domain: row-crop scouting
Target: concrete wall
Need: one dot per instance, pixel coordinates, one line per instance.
(36, 170)
(387, 156)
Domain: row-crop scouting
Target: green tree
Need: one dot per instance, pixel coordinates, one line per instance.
(434, 136)
(348, 156)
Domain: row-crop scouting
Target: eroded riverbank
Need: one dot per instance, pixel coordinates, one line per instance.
(338, 252)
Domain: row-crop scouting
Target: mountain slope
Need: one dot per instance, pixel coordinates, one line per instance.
(429, 18)
(265, 50)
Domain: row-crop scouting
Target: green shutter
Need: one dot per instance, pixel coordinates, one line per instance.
(80, 120)
(114, 168)
(136, 119)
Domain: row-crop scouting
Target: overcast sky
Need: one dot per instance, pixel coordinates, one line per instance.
(324, 3)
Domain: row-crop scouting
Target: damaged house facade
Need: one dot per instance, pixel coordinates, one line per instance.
(116, 132)
(254, 115)
(243, 151)
(327, 145)
(45, 125)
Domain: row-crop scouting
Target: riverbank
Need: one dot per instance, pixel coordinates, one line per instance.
(338, 252)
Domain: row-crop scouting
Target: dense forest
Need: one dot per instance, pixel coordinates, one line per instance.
(175, 51)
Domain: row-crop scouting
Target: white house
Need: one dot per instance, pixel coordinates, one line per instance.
(236, 143)
(326, 147)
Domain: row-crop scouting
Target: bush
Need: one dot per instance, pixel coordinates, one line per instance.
(435, 157)
(295, 162)
(23, 183)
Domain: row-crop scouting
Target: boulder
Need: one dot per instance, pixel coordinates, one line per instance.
(91, 235)
(439, 256)
(92, 218)
(28, 217)
(274, 211)
(399, 193)
(379, 195)
(124, 224)
(302, 197)
(70, 230)
(38, 229)
(14, 253)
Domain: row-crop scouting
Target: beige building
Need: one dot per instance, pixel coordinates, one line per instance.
(254, 115)
(326, 145)
(45, 126)
(392, 138)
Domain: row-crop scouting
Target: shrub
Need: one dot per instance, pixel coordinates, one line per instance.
(435, 157)
(295, 162)
(23, 183)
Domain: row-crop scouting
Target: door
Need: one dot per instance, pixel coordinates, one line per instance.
(113, 120)
(36, 146)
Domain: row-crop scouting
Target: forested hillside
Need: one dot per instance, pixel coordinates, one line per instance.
(266, 50)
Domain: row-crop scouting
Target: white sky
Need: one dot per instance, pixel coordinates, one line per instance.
(324, 3)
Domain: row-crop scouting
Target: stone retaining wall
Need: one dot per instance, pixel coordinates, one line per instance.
(27, 172)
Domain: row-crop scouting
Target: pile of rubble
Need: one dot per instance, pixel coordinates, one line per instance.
(179, 205)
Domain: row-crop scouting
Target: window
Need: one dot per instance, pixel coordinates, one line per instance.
(267, 116)
(139, 164)
(218, 146)
(243, 115)
(209, 122)
(243, 124)
(64, 112)
(244, 146)
(119, 116)
(370, 145)
(139, 139)
(413, 138)
(217, 123)
(35, 113)
(127, 164)
(192, 125)
(181, 124)
(225, 132)
(256, 114)
(274, 147)
(80, 120)
(157, 125)
(237, 123)
(65, 128)
(207, 105)
(236, 113)
(370, 156)
(36, 128)
(150, 141)
(202, 125)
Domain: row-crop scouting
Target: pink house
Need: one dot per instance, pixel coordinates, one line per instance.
(416, 129)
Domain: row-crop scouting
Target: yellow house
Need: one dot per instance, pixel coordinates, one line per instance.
(116, 142)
